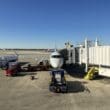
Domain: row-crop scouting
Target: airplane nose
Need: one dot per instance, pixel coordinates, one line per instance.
(54, 65)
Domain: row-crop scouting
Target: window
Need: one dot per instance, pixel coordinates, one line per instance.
(56, 56)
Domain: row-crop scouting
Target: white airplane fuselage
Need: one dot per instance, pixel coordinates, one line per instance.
(56, 60)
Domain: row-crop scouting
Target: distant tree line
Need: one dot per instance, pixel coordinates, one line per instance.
(25, 49)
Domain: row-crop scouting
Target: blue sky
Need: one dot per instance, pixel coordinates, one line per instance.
(44, 23)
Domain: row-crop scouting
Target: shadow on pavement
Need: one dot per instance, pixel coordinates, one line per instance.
(23, 63)
(75, 71)
(76, 86)
(23, 74)
(78, 71)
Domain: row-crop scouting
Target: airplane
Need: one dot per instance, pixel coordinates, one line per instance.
(56, 60)
(58, 81)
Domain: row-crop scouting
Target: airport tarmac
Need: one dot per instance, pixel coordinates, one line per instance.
(21, 93)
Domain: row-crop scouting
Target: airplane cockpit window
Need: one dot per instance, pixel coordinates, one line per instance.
(56, 56)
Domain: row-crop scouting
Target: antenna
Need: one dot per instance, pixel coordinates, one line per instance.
(55, 47)
(96, 42)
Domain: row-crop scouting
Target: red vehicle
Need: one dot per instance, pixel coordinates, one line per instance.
(11, 68)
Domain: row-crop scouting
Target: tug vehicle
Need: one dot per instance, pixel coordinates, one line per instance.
(58, 82)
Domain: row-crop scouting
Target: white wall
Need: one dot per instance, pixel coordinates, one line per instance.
(99, 55)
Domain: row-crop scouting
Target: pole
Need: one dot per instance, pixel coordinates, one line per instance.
(86, 55)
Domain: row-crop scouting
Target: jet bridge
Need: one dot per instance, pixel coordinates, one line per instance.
(97, 55)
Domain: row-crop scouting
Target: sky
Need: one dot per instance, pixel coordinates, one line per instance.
(46, 23)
